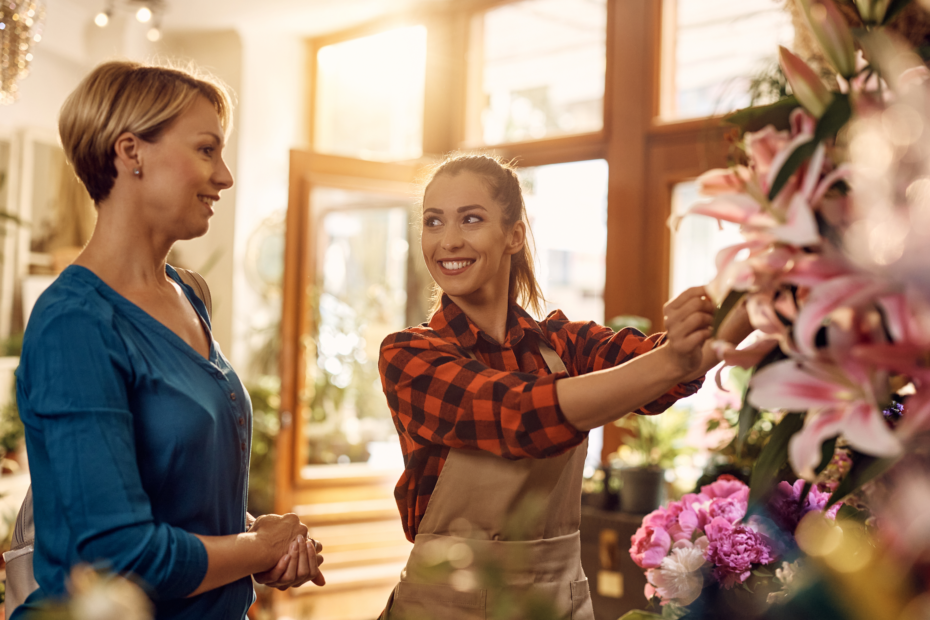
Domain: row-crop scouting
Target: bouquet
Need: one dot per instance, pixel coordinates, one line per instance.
(708, 539)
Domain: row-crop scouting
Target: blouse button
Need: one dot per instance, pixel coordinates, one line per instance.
(241, 421)
(242, 445)
(232, 395)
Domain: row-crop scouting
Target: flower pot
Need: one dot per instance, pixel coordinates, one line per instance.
(641, 489)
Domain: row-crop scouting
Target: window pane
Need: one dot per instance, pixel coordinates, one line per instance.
(361, 284)
(697, 241)
(567, 208)
(541, 70)
(719, 46)
(369, 96)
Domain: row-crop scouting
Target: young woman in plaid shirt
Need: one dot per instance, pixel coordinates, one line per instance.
(493, 408)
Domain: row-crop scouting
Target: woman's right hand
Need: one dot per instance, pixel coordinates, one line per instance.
(688, 320)
(285, 538)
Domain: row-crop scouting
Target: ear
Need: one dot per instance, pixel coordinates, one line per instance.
(517, 238)
(127, 153)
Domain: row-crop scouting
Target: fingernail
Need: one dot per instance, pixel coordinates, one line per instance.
(293, 547)
(300, 538)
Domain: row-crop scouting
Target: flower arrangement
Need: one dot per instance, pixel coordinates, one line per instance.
(708, 539)
(831, 188)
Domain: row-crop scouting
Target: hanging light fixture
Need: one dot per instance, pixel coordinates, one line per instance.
(103, 17)
(145, 10)
(20, 29)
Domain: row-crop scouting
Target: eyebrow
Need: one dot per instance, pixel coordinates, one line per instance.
(216, 137)
(458, 210)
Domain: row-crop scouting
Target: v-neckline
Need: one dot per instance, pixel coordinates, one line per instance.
(166, 332)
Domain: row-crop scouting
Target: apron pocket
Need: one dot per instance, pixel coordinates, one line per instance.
(417, 601)
(582, 609)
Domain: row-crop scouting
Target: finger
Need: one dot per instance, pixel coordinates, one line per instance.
(683, 330)
(696, 340)
(273, 577)
(291, 573)
(692, 306)
(303, 562)
(319, 559)
(319, 580)
(317, 545)
(695, 292)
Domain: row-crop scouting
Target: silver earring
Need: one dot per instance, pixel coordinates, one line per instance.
(137, 172)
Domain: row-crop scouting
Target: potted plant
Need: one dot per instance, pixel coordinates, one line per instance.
(650, 445)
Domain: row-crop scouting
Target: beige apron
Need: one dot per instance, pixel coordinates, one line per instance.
(512, 524)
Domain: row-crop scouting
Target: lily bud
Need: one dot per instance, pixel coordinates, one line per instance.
(832, 33)
(807, 87)
(872, 11)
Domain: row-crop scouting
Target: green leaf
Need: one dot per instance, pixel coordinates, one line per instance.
(794, 161)
(748, 415)
(893, 9)
(726, 307)
(827, 449)
(758, 117)
(864, 469)
(773, 457)
(834, 118)
(636, 614)
(761, 572)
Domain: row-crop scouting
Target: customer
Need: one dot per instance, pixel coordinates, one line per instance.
(138, 429)
(493, 408)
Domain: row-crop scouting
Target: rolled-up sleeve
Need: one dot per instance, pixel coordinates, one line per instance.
(440, 397)
(74, 378)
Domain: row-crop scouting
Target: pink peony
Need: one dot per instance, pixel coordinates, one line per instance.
(731, 508)
(726, 486)
(733, 549)
(649, 546)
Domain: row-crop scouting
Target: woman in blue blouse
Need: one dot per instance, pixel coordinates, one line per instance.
(138, 430)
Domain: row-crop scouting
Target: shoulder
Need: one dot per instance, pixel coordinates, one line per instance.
(418, 337)
(558, 326)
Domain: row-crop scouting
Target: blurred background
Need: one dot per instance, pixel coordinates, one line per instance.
(610, 107)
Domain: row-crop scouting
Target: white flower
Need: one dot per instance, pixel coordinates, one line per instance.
(679, 579)
(787, 572)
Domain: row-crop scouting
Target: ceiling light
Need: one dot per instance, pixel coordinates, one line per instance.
(144, 14)
(153, 35)
(102, 19)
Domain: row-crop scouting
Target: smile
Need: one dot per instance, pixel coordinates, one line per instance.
(455, 265)
(208, 200)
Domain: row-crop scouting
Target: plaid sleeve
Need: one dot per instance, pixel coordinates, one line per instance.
(440, 397)
(594, 347)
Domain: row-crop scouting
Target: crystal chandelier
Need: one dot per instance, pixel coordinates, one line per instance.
(20, 28)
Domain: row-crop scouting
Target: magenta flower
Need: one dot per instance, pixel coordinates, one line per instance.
(733, 549)
(726, 486)
(649, 546)
(787, 509)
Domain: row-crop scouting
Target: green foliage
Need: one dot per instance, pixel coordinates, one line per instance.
(11, 427)
(758, 117)
(864, 469)
(640, 323)
(640, 615)
(655, 440)
(726, 307)
(773, 458)
(266, 400)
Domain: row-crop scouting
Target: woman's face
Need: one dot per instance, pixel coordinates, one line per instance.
(183, 172)
(466, 245)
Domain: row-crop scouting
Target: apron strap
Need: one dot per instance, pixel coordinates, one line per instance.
(553, 362)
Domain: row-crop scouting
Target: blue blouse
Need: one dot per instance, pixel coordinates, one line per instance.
(135, 442)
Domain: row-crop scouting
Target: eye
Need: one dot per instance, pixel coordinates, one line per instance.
(431, 222)
(472, 219)
(208, 150)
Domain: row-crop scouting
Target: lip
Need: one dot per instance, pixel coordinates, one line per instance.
(211, 197)
(454, 272)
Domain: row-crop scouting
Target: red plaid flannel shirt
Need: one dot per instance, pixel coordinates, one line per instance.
(504, 403)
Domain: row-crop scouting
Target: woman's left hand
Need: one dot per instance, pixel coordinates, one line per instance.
(688, 320)
(296, 567)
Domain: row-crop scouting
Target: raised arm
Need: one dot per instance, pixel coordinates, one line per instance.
(597, 398)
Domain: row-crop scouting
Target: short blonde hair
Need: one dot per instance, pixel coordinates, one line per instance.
(121, 96)
(504, 185)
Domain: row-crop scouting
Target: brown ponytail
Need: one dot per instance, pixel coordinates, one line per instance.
(504, 185)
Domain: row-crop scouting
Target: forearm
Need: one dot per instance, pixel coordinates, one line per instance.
(230, 558)
(597, 398)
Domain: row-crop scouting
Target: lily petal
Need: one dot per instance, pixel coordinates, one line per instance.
(732, 207)
(801, 228)
(719, 181)
(747, 357)
(865, 429)
(832, 32)
(804, 451)
(827, 297)
(787, 385)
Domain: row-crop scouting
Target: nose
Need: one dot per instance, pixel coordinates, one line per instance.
(451, 238)
(222, 177)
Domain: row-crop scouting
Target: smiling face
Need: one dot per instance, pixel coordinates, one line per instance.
(183, 172)
(466, 243)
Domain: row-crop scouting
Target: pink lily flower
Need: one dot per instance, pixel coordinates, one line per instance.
(841, 292)
(837, 401)
(807, 86)
(832, 33)
(748, 356)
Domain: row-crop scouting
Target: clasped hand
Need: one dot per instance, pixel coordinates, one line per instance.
(301, 560)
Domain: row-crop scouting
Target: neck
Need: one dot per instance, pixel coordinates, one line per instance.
(123, 251)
